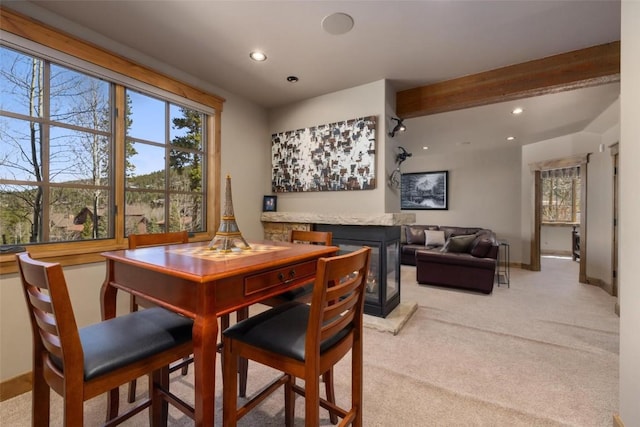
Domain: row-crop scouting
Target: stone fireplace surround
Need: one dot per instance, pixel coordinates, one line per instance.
(277, 225)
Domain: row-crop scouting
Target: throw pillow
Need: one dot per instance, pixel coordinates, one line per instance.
(459, 243)
(415, 235)
(433, 238)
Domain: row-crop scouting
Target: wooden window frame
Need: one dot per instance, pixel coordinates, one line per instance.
(575, 206)
(82, 252)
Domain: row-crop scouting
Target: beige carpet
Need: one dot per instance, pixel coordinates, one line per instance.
(543, 352)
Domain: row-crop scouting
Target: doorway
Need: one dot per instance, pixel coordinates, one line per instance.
(538, 170)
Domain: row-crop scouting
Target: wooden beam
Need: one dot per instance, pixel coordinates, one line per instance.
(587, 67)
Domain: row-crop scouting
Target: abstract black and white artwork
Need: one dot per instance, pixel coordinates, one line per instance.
(337, 156)
(425, 190)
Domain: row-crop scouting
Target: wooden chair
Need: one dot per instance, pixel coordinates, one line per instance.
(304, 294)
(303, 341)
(155, 239)
(176, 237)
(80, 364)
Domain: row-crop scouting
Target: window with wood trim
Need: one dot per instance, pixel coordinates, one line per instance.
(68, 162)
(561, 195)
(57, 178)
(57, 138)
(164, 164)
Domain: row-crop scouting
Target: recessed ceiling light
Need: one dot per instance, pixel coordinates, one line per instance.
(292, 79)
(425, 148)
(517, 110)
(256, 55)
(511, 138)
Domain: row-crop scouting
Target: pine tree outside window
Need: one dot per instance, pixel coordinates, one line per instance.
(165, 156)
(561, 195)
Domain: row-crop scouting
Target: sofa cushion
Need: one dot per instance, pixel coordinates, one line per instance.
(434, 238)
(452, 231)
(415, 233)
(415, 236)
(459, 243)
(481, 246)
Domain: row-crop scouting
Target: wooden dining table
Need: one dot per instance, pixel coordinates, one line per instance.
(203, 284)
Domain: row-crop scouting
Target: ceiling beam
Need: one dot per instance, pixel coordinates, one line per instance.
(582, 68)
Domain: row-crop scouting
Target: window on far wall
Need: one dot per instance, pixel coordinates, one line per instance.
(59, 164)
(561, 195)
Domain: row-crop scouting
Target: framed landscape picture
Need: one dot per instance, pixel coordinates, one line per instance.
(424, 190)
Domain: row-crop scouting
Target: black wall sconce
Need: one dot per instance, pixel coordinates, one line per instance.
(399, 127)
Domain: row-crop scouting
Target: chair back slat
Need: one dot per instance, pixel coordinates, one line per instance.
(338, 324)
(335, 309)
(52, 321)
(156, 239)
(338, 297)
(39, 299)
(52, 343)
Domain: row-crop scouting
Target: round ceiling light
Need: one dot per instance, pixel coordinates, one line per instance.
(256, 55)
(511, 138)
(517, 110)
(337, 23)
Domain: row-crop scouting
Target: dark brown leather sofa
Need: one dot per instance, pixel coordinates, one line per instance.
(467, 260)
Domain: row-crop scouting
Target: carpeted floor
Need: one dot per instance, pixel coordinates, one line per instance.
(543, 352)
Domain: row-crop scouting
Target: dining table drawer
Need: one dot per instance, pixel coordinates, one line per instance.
(279, 277)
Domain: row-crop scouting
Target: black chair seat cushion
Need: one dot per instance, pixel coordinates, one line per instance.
(281, 330)
(122, 340)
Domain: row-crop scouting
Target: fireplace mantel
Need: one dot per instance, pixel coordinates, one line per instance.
(380, 219)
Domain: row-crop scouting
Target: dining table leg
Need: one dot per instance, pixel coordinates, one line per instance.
(205, 337)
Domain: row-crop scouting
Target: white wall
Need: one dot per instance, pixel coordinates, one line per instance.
(600, 216)
(483, 189)
(245, 146)
(360, 101)
(392, 195)
(556, 239)
(629, 253)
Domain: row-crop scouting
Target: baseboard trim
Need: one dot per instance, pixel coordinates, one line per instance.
(607, 287)
(617, 422)
(15, 386)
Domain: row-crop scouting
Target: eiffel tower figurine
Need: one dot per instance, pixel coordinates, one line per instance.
(228, 236)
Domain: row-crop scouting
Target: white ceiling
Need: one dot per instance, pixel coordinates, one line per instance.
(410, 43)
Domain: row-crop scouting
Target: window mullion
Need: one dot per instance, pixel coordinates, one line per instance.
(118, 162)
(45, 151)
(167, 172)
